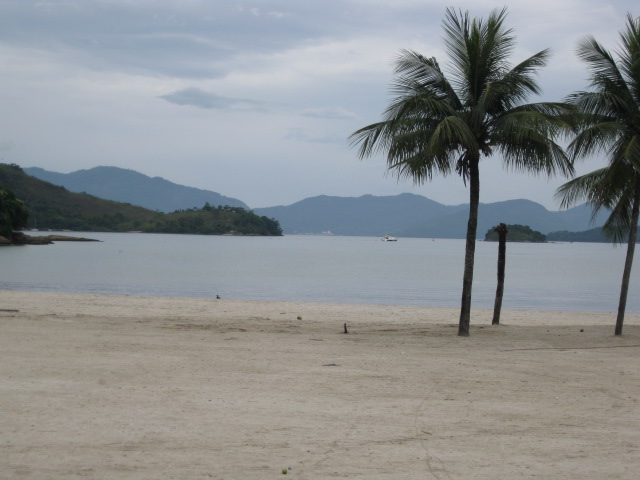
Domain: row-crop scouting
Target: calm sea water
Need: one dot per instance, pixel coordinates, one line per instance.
(554, 276)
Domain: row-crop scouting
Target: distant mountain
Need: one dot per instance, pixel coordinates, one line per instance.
(366, 215)
(410, 215)
(521, 212)
(129, 186)
(405, 215)
(591, 235)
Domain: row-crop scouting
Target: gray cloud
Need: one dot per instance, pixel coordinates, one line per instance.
(194, 39)
(201, 99)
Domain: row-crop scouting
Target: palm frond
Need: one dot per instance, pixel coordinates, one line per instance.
(533, 152)
(596, 107)
(417, 73)
(526, 137)
(420, 153)
(517, 84)
(422, 105)
(630, 56)
(611, 188)
(607, 78)
(453, 132)
(478, 50)
(456, 27)
(372, 139)
(632, 151)
(618, 224)
(599, 61)
(609, 102)
(596, 138)
(419, 168)
(563, 115)
(580, 189)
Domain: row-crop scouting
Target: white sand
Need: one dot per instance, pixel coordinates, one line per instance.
(116, 387)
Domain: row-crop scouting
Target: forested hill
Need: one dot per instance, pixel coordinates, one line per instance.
(123, 185)
(53, 207)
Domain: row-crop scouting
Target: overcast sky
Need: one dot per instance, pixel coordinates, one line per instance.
(253, 99)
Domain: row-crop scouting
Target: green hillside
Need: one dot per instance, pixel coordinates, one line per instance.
(53, 207)
(129, 186)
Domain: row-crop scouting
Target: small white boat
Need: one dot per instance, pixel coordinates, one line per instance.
(389, 238)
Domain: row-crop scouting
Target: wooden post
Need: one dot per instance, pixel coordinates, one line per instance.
(502, 254)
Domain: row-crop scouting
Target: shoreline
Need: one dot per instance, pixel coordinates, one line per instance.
(113, 387)
(480, 311)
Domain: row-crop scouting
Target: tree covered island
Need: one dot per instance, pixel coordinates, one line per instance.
(517, 233)
(33, 203)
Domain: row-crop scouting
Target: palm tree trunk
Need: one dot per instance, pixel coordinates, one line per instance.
(631, 245)
(502, 259)
(470, 249)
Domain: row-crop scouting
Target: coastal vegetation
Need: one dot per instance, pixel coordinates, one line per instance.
(517, 233)
(54, 208)
(13, 214)
(607, 120)
(440, 125)
(220, 220)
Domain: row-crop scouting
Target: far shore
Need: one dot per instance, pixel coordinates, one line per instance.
(122, 387)
(20, 238)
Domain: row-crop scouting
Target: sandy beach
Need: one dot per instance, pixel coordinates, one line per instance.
(118, 387)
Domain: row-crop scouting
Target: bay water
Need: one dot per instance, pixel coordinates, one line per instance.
(305, 268)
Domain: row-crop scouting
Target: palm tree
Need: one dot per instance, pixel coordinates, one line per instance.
(436, 125)
(608, 120)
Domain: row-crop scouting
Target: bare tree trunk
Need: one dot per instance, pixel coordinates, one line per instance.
(631, 245)
(470, 249)
(502, 258)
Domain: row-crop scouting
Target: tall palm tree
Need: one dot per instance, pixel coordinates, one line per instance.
(608, 120)
(437, 125)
